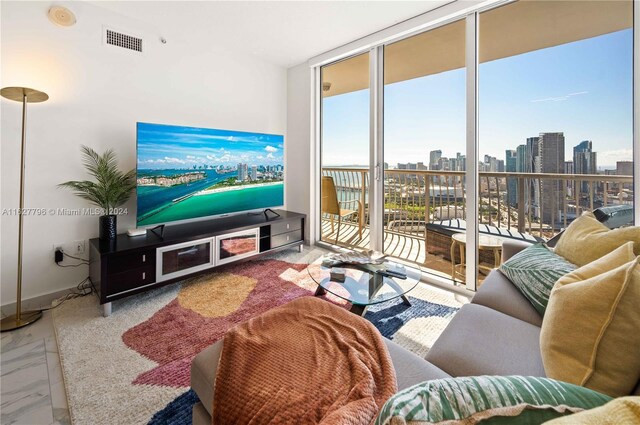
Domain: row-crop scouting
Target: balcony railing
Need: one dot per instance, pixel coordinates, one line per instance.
(536, 204)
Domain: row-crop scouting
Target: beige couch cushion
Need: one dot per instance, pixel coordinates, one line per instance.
(482, 341)
(586, 240)
(497, 292)
(623, 410)
(200, 416)
(590, 334)
(410, 368)
(203, 373)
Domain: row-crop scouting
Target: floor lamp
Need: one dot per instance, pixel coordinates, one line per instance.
(24, 95)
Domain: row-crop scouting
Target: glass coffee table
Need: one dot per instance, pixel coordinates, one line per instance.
(365, 285)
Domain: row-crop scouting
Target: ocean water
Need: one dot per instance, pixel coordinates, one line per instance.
(247, 198)
(151, 198)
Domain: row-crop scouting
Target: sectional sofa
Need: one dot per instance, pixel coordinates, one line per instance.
(498, 333)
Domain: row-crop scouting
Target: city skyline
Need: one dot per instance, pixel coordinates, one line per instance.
(582, 89)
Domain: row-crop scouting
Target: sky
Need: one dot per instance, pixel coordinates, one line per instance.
(583, 89)
(169, 147)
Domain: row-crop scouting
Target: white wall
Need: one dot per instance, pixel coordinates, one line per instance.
(97, 94)
(298, 184)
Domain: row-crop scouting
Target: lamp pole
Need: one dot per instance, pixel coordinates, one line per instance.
(25, 95)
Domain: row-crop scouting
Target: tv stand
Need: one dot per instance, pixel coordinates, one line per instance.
(128, 266)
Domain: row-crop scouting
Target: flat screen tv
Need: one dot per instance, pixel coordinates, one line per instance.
(186, 173)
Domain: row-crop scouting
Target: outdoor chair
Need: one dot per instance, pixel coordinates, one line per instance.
(333, 207)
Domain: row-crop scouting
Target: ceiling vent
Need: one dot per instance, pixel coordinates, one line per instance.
(122, 40)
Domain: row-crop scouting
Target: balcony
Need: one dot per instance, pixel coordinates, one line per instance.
(422, 209)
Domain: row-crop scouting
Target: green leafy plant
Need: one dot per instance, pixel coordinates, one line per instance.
(112, 187)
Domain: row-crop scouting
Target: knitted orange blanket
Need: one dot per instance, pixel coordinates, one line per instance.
(306, 362)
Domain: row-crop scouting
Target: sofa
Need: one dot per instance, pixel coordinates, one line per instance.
(498, 333)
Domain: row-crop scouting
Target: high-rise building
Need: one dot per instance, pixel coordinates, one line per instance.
(443, 164)
(434, 158)
(412, 166)
(242, 172)
(253, 175)
(492, 164)
(551, 160)
(525, 163)
(570, 184)
(521, 159)
(461, 162)
(625, 168)
(568, 167)
(584, 161)
(532, 154)
(511, 158)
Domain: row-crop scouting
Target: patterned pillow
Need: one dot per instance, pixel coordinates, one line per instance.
(488, 399)
(534, 271)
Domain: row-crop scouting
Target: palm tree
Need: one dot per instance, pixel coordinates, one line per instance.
(111, 189)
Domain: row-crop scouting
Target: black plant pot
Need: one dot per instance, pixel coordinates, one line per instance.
(108, 227)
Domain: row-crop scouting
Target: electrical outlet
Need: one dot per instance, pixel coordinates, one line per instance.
(79, 247)
(74, 248)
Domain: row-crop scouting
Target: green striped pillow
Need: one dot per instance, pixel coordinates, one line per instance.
(534, 271)
(492, 400)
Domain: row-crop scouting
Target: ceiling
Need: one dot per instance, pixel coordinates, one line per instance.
(285, 33)
(531, 25)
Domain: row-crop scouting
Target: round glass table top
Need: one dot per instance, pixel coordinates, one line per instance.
(365, 284)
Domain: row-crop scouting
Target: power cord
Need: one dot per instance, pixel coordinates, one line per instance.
(84, 288)
(75, 258)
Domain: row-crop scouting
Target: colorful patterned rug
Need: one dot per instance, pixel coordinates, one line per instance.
(133, 367)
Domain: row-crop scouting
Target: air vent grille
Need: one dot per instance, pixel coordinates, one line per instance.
(125, 41)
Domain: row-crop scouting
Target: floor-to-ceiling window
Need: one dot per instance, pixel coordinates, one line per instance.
(555, 115)
(552, 131)
(424, 144)
(345, 152)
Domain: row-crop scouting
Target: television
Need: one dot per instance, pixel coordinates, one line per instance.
(188, 173)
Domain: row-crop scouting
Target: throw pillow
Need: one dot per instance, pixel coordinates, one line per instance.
(589, 335)
(534, 271)
(487, 399)
(623, 410)
(586, 239)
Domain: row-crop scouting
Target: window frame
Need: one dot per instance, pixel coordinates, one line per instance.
(374, 45)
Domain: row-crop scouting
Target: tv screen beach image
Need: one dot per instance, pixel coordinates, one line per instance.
(187, 172)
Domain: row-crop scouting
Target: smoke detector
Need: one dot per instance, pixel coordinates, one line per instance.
(61, 16)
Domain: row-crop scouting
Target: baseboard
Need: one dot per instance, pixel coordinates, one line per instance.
(35, 303)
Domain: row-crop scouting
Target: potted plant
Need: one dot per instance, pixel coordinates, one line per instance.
(111, 189)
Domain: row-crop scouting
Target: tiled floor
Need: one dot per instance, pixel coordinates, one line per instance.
(32, 387)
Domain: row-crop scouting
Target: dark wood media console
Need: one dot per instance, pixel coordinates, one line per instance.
(130, 265)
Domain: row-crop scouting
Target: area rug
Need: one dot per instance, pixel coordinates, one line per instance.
(133, 367)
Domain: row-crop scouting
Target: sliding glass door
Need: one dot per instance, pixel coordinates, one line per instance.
(424, 145)
(344, 152)
(505, 123)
